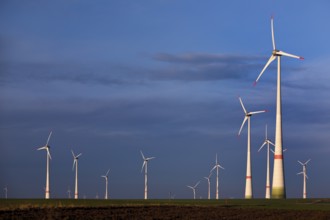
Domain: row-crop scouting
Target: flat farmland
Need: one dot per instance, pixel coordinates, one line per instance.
(165, 209)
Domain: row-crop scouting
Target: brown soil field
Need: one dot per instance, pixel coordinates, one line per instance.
(162, 212)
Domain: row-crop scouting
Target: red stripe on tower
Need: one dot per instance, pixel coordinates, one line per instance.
(278, 156)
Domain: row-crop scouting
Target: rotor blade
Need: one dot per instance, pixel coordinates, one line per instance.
(213, 168)
(289, 55)
(271, 59)
(245, 118)
(272, 151)
(107, 172)
(150, 158)
(306, 176)
(73, 154)
(266, 133)
(50, 134)
(271, 143)
(240, 100)
(78, 155)
(257, 112)
(300, 173)
(144, 163)
(74, 162)
(197, 184)
(142, 155)
(221, 167)
(300, 163)
(207, 178)
(42, 148)
(265, 142)
(307, 161)
(216, 158)
(190, 187)
(48, 153)
(272, 27)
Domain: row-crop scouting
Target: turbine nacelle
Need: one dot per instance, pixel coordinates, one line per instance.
(75, 158)
(145, 160)
(275, 53)
(47, 147)
(247, 114)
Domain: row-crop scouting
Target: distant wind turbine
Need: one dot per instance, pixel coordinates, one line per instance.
(208, 184)
(75, 162)
(47, 147)
(248, 183)
(217, 166)
(106, 184)
(305, 176)
(267, 141)
(6, 192)
(278, 190)
(194, 188)
(69, 193)
(145, 166)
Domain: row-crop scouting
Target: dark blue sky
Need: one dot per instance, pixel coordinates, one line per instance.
(111, 78)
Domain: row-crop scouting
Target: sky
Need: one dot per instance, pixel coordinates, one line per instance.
(113, 78)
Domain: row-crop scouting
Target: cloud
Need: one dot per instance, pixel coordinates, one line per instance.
(186, 67)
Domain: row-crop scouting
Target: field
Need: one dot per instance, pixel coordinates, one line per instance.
(165, 209)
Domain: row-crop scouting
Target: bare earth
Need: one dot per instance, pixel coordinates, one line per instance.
(162, 212)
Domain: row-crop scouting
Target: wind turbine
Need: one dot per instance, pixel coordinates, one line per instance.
(145, 165)
(267, 141)
(106, 184)
(217, 166)
(248, 183)
(69, 193)
(194, 188)
(305, 176)
(75, 162)
(6, 192)
(208, 182)
(47, 147)
(278, 190)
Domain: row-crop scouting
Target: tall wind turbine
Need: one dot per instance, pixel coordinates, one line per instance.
(208, 183)
(305, 176)
(278, 190)
(267, 141)
(75, 162)
(106, 184)
(217, 166)
(248, 183)
(47, 147)
(145, 165)
(194, 188)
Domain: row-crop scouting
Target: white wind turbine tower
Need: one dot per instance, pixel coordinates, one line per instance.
(106, 184)
(217, 166)
(75, 162)
(248, 183)
(145, 165)
(194, 188)
(47, 147)
(267, 141)
(208, 183)
(305, 176)
(278, 190)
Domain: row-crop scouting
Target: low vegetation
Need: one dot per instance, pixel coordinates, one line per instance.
(165, 209)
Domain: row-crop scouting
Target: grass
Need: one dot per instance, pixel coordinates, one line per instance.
(288, 204)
